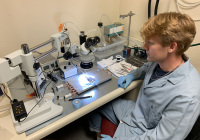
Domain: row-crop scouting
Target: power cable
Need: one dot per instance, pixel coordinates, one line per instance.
(155, 9)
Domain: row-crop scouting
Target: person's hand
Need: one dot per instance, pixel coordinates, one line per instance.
(124, 81)
(106, 137)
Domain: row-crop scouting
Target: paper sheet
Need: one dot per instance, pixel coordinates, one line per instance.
(121, 69)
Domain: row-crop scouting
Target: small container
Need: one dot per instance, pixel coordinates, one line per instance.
(82, 37)
(118, 58)
(126, 52)
(100, 34)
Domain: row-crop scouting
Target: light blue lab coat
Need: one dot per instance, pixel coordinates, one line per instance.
(166, 109)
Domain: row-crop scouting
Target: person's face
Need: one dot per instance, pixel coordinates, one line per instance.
(155, 51)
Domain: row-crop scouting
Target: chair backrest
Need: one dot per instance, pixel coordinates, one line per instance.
(195, 132)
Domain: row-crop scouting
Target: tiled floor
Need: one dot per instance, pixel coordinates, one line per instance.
(77, 130)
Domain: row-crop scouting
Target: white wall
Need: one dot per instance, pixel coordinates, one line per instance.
(33, 21)
(140, 7)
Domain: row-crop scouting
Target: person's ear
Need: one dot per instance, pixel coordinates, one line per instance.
(172, 47)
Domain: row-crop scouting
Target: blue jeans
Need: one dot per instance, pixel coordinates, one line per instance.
(113, 111)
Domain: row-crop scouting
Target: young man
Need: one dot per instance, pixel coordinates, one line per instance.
(168, 103)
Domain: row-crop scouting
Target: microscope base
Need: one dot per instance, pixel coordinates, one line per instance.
(38, 115)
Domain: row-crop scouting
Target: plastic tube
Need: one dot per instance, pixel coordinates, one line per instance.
(77, 29)
(74, 26)
(93, 30)
(107, 18)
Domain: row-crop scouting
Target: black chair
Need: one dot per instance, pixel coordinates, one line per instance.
(195, 132)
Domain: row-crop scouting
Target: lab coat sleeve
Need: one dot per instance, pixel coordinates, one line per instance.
(140, 73)
(176, 122)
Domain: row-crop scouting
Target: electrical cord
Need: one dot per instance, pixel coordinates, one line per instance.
(6, 93)
(2, 97)
(51, 77)
(37, 102)
(197, 44)
(5, 108)
(156, 7)
(155, 10)
(149, 9)
(49, 74)
(41, 97)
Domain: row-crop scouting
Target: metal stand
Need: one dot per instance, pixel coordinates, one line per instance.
(129, 26)
(40, 114)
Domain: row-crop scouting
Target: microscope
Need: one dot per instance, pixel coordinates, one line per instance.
(26, 115)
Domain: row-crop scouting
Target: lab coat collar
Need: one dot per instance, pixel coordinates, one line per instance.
(158, 83)
(174, 77)
(180, 72)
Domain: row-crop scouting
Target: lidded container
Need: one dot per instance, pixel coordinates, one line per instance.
(100, 34)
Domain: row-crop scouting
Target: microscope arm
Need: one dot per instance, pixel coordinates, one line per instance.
(23, 60)
(7, 73)
(14, 63)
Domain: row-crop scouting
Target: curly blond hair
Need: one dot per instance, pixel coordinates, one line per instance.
(171, 27)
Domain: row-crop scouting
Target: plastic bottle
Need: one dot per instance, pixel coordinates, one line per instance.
(100, 34)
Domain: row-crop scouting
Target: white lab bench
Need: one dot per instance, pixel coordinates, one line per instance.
(7, 130)
(102, 94)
